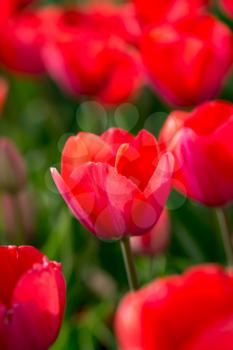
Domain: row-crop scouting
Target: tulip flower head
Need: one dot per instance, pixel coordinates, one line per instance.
(201, 142)
(93, 53)
(23, 36)
(115, 184)
(32, 299)
(193, 311)
(188, 61)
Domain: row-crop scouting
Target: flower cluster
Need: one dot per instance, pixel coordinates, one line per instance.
(109, 51)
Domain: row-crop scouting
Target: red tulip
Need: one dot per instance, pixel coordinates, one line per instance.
(227, 6)
(3, 93)
(23, 36)
(92, 54)
(10, 7)
(106, 16)
(159, 11)
(115, 184)
(201, 142)
(32, 297)
(188, 61)
(156, 240)
(189, 312)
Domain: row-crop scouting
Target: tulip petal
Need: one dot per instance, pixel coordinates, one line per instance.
(14, 262)
(110, 199)
(116, 136)
(83, 148)
(159, 185)
(127, 68)
(219, 336)
(139, 159)
(70, 200)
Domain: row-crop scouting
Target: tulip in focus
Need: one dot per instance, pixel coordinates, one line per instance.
(193, 311)
(13, 175)
(156, 240)
(160, 11)
(33, 294)
(188, 61)
(201, 142)
(115, 184)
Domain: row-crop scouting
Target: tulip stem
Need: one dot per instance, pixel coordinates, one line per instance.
(129, 263)
(226, 234)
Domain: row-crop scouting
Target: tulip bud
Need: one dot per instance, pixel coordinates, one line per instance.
(13, 175)
(156, 240)
(18, 217)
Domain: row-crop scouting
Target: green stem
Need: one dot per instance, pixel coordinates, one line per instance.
(226, 234)
(129, 264)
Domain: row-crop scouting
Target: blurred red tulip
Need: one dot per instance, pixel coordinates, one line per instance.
(13, 176)
(106, 16)
(189, 312)
(201, 142)
(188, 61)
(10, 7)
(22, 37)
(3, 93)
(227, 6)
(159, 11)
(32, 299)
(155, 241)
(92, 53)
(91, 65)
(115, 184)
